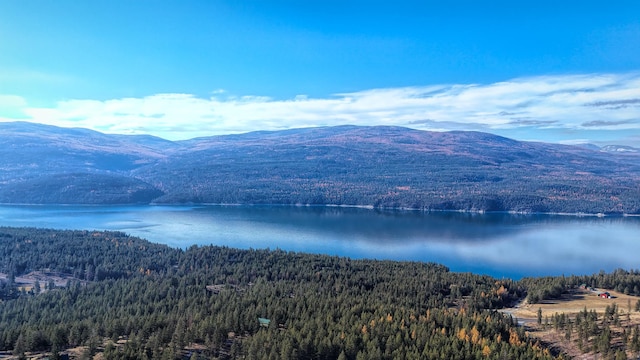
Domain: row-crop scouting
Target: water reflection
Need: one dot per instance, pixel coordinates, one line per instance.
(497, 244)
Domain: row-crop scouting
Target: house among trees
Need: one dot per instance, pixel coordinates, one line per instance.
(605, 295)
(264, 322)
(215, 289)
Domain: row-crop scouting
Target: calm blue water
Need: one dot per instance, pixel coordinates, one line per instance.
(501, 245)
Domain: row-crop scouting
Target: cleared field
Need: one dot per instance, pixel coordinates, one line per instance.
(43, 277)
(570, 304)
(574, 302)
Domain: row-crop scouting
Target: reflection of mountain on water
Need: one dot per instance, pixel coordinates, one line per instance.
(380, 226)
(500, 244)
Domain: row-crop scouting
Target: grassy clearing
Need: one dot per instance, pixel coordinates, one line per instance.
(574, 302)
(571, 304)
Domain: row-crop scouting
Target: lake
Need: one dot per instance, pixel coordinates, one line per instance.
(501, 245)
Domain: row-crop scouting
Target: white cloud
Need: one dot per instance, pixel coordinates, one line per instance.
(11, 107)
(575, 142)
(575, 102)
(12, 101)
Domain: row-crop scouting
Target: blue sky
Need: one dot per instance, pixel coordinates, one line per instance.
(562, 71)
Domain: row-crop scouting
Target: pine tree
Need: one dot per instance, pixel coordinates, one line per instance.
(539, 316)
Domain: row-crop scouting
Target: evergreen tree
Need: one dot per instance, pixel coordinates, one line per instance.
(539, 316)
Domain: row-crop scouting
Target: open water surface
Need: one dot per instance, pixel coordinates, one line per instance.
(501, 245)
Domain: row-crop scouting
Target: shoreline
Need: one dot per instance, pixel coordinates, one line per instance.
(345, 206)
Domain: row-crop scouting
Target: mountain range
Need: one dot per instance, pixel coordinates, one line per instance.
(377, 166)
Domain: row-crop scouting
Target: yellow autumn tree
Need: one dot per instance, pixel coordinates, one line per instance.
(462, 334)
(514, 338)
(475, 335)
(486, 351)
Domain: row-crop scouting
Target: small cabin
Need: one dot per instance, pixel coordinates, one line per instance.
(605, 295)
(264, 322)
(215, 289)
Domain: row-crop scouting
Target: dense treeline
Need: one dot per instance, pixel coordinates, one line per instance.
(79, 188)
(206, 301)
(86, 255)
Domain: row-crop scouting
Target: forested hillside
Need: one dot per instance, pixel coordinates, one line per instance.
(398, 167)
(345, 165)
(45, 165)
(130, 299)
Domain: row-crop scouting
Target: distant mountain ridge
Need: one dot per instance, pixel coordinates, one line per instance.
(379, 166)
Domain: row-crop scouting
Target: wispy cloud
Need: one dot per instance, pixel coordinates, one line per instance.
(575, 102)
(617, 104)
(604, 123)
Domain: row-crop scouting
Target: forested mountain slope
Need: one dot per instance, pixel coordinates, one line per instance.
(45, 164)
(345, 165)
